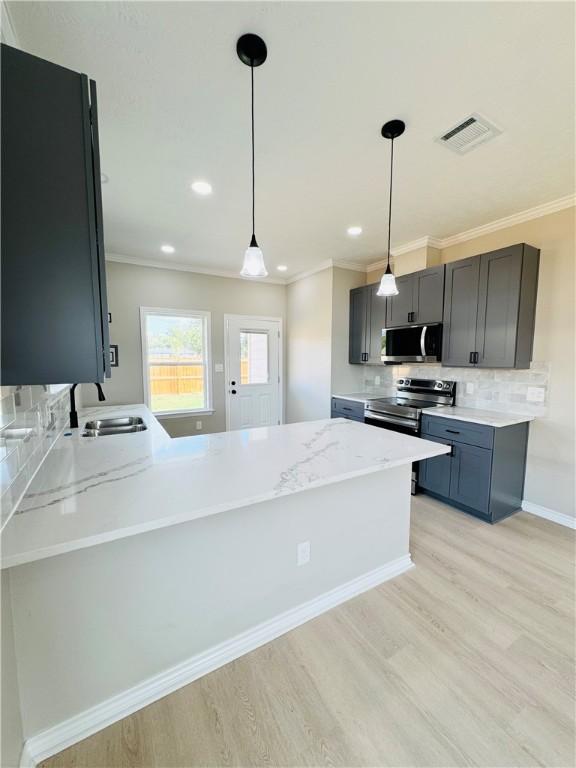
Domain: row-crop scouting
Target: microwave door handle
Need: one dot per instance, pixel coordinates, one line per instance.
(423, 341)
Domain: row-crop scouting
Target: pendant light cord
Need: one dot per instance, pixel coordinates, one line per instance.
(253, 173)
(390, 201)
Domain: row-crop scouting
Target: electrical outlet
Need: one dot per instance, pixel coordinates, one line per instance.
(303, 553)
(469, 388)
(535, 394)
(376, 381)
(198, 425)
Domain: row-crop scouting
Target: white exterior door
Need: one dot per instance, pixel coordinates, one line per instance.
(253, 371)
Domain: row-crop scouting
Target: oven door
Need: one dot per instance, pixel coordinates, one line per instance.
(395, 423)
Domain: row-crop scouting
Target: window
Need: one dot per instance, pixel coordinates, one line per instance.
(253, 357)
(176, 359)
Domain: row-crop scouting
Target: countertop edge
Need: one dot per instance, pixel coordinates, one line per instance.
(166, 522)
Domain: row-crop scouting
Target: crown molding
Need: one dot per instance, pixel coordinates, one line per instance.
(509, 221)
(137, 262)
(568, 201)
(7, 29)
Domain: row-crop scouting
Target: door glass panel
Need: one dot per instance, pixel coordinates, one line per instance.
(254, 357)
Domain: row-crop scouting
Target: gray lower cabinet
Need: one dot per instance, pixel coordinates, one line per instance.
(490, 308)
(484, 472)
(54, 317)
(347, 409)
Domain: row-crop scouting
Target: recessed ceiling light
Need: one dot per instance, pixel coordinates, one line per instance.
(354, 231)
(281, 267)
(202, 187)
(167, 248)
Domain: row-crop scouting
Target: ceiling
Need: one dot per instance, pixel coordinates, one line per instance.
(174, 107)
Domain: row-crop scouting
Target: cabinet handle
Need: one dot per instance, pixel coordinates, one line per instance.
(344, 408)
(471, 358)
(364, 357)
(451, 454)
(476, 356)
(453, 431)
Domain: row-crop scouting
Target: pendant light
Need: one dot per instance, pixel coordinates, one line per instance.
(390, 130)
(252, 51)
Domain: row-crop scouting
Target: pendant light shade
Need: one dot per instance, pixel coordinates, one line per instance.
(387, 284)
(390, 130)
(252, 51)
(253, 261)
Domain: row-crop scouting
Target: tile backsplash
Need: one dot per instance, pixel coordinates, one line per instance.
(492, 389)
(31, 418)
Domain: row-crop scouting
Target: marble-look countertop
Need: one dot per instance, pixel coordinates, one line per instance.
(477, 416)
(93, 490)
(361, 397)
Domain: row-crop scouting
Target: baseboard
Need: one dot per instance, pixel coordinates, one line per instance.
(26, 759)
(73, 730)
(549, 514)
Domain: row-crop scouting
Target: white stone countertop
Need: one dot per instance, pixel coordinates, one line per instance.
(91, 490)
(477, 416)
(361, 397)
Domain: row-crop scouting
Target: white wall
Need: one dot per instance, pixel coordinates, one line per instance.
(130, 287)
(344, 377)
(12, 733)
(309, 347)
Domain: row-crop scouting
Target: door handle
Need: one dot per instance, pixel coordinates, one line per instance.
(232, 383)
(232, 391)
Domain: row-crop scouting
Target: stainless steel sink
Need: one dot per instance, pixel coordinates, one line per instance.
(114, 430)
(119, 421)
(122, 425)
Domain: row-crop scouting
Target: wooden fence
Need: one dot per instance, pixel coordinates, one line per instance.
(182, 378)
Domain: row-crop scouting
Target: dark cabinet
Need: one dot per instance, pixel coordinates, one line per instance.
(460, 311)
(484, 472)
(420, 298)
(54, 311)
(367, 318)
(490, 307)
(342, 408)
(359, 339)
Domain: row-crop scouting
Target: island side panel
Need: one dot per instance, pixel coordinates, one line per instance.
(93, 623)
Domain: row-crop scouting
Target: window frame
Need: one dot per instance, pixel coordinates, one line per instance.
(206, 317)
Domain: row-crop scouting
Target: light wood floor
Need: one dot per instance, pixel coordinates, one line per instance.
(466, 660)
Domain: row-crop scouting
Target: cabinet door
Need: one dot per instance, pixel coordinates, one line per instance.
(434, 474)
(429, 295)
(498, 303)
(377, 322)
(359, 316)
(470, 476)
(460, 311)
(401, 307)
(53, 283)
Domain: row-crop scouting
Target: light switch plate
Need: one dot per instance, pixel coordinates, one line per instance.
(536, 394)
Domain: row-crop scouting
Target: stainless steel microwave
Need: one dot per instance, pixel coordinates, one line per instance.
(412, 344)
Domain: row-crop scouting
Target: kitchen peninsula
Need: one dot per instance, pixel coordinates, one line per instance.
(170, 557)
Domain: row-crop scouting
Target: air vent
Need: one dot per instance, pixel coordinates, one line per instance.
(468, 134)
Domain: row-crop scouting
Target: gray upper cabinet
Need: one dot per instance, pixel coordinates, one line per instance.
(359, 339)
(460, 311)
(54, 311)
(401, 306)
(420, 298)
(490, 307)
(367, 318)
(378, 306)
(429, 295)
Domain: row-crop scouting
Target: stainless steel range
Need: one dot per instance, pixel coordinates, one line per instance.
(403, 412)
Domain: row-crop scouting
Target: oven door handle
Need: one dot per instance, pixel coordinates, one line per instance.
(423, 341)
(391, 420)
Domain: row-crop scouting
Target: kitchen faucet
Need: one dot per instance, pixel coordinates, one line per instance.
(73, 413)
